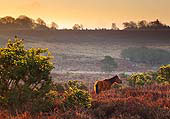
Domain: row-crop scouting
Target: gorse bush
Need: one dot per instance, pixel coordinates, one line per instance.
(108, 64)
(24, 75)
(75, 84)
(141, 79)
(147, 55)
(44, 103)
(59, 87)
(164, 74)
(76, 96)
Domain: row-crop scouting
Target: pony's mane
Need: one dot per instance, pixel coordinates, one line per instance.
(111, 78)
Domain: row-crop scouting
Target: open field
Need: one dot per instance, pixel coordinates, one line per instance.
(83, 50)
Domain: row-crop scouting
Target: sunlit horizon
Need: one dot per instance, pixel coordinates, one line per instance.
(91, 14)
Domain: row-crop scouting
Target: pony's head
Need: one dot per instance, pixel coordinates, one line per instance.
(117, 79)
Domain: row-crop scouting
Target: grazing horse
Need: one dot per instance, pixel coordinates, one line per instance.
(105, 84)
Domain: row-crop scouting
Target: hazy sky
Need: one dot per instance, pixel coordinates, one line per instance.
(90, 13)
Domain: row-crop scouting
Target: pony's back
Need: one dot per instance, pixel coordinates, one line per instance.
(101, 86)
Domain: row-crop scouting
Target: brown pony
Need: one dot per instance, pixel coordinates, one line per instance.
(105, 84)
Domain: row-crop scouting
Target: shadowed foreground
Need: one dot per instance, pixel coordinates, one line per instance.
(150, 102)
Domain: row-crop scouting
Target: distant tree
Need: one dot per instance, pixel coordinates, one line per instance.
(41, 22)
(24, 22)
(54, 25)
(114, 27)
(7, 20)
(130, 25)
(133, 24)
(126, 25)
(142, 24)
(108, 64)
(156, 24)
(153, 25)
(81, 26)
(150, 56)
(78, 27)
(41, 25)
(104, 29)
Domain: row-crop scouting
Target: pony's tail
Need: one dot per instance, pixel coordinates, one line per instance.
(97, 89)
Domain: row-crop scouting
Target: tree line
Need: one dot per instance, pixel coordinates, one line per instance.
(25, 22)
(140, 25)
(145, 25)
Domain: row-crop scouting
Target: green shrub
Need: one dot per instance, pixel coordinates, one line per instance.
(77, 84)
(164, 74)
(45, 103)
(24, 75)
(108, 64)
(141, 79)
(58, 87)
(147, 55)
(76, 96)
